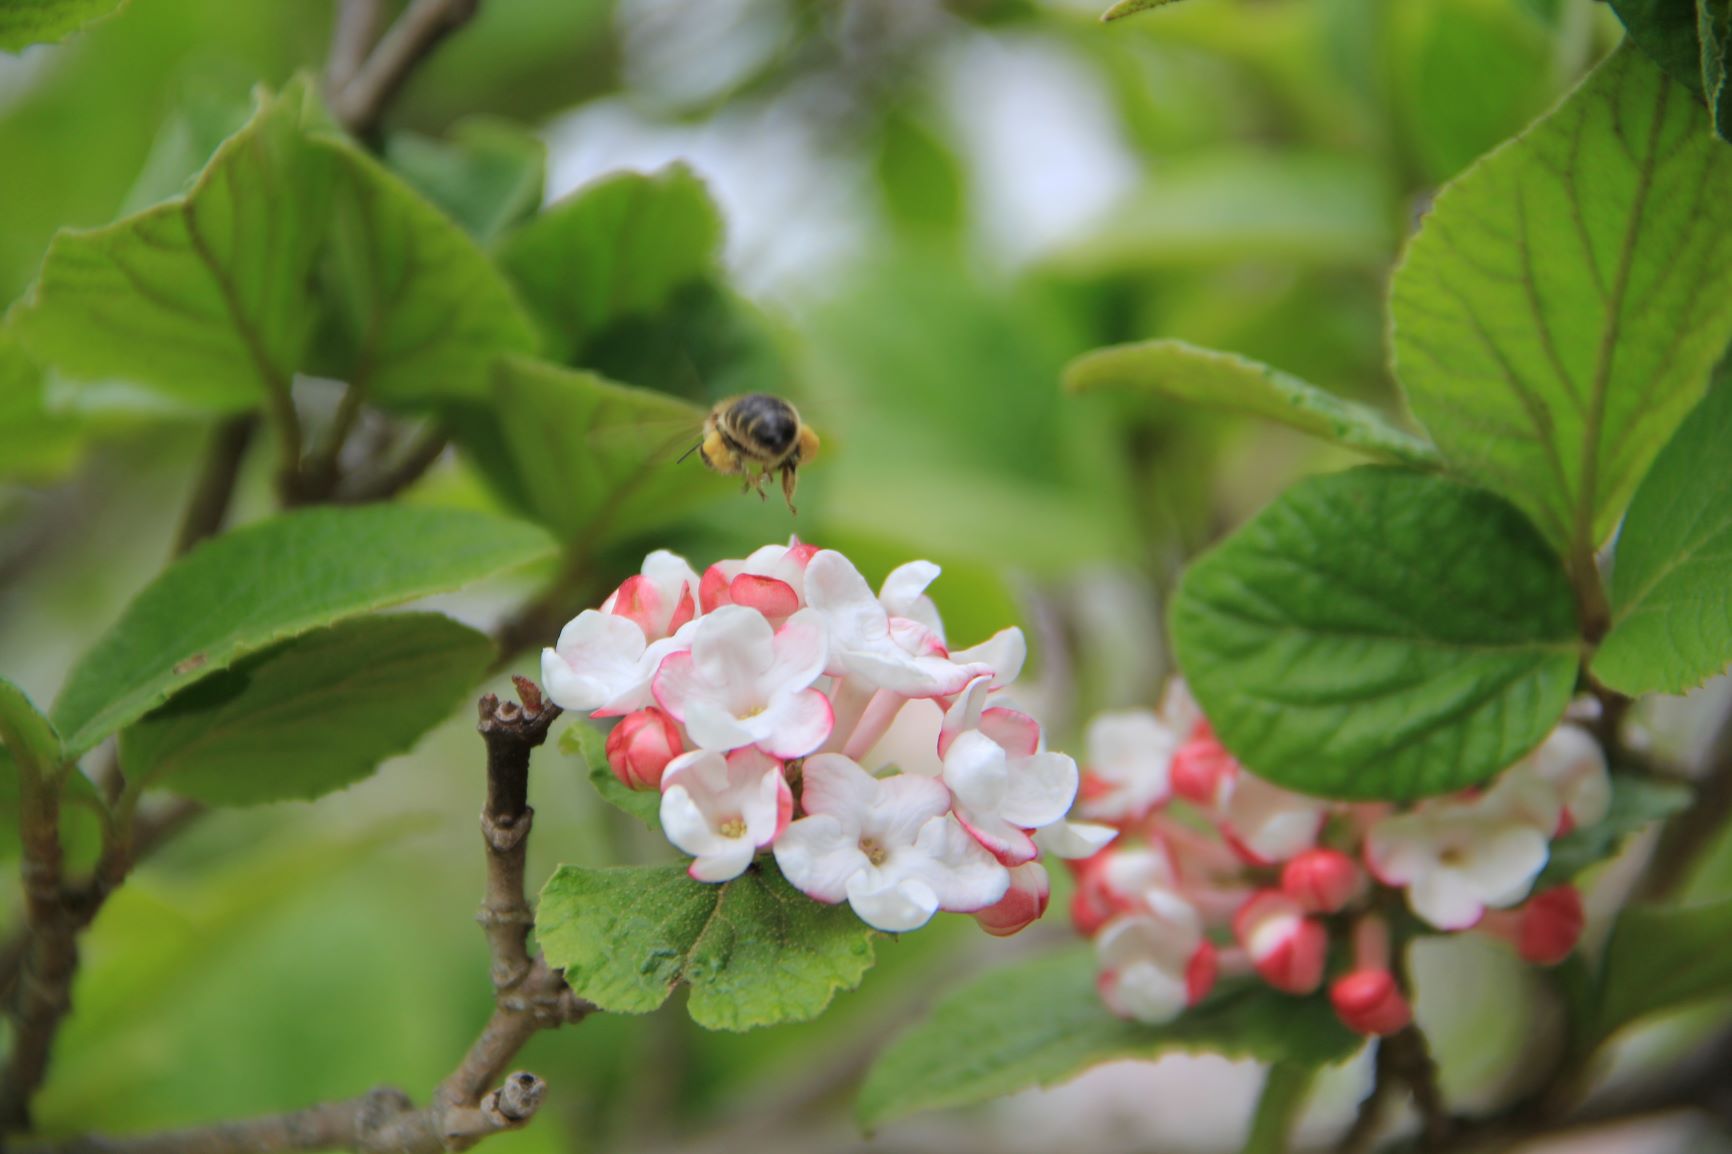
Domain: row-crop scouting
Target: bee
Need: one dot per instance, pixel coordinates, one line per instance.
(757, 429)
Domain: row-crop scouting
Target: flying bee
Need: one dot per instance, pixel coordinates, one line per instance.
(757, 429)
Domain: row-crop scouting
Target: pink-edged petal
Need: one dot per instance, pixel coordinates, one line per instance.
(977, 771)
(713, 589)
(1004, 653)
(1018, 733)
(818, 855)
(1008, 844)
(1074, 840)
(767, 595)
(894, 905)
(725, 863)
(801, 647)
(684, 612)
(888, 667)
(905, 804)
(916, 639)
(906, 585)
(686, 825)
(1040, 790)
(832, 784)
(964, 712)
(710, 726)
(795, 724)
(733, 646)
(964, 877)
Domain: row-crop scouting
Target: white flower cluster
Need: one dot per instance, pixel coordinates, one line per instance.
(778, 704)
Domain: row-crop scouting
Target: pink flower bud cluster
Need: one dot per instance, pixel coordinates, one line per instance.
(1217, 871)
(779, 705)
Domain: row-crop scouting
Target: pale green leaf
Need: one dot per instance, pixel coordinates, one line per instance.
(616, 248)
(1286, 1087)
(203, 299)
(1233, 383)
(26, 733)
(1662, 958)
(1672, 573)
(309, 716)
(35, 442)
(593, 460)
(1041, 1022)
(755, 951)
(262, 584)
(423, 313)
(1558, 313)
(27, 22)
(1130, 8)
(1379, 634)
(585, 742)
(486, 174)
(1636, 803)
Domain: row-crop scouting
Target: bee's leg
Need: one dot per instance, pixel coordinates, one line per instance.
(790, 478)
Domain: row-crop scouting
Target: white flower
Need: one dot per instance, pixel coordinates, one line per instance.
(1006, 785)
(722, 811)
(1130, 759)
(1455, 858)
(887, 847)
(660, 599)
(1154, 964)
(1004, 653)
(1270, 824)
(771, 580)
(1075, 840)
(1572, 763)
(601, 664)
(898, 654)
(743, 682)
(903, 594)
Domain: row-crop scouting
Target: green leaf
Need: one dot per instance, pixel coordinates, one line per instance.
(1714, 31)
(1636, 802)
(1664, 957)
(1286, 1087)
(27, 22)
(1671, 616)
(486, 174)
(34, 442)
(1130, 8)
(590, 459)
(1041, 1022)
(613, 249)
(423, 313)
(26, 734)
(584, 741)
(249, 589)
(1379, 634)
(755, 951)
(203, 298)
(310, 716)
(1236, 384)
(1666, 31)
(1558, 313)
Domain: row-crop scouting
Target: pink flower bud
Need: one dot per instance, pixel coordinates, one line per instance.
(1024, 902)
(1202, 768)
(1551, 924)
(1368, 1002)
(1322, 880)
(1287, 948)
(640, 747)
(1200, 972)
(774, 599)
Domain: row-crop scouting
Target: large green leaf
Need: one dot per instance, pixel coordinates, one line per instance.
(1379, 634)
(203, 299)
(34, 442)
(1558, 313)
(1636, 803)
(755, 951)
(616, 248)
(585, 742)
(1671, 610)
(1662, 958)
(27, 22)
(249, 589)
(1236, 384)
(1666, 31)
(591, 459)
(1041, 1022)
(309, 716)
(486, 174)
(423, 314)
(1714, 31)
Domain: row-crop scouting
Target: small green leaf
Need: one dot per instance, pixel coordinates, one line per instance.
(26, 734)
(590, 459)
(1636, 802)
(422, 312)
(1662, 958)
(309, 716)
(1379, 634)
(1130, 8)
(202, 299)
(1557, 315)
(486, 174)
(1233, 383)
(27, 22)
(755, 951)
(1671, 614)
(1286, 1087)
(249, 589)
(1041, 1022)
(584, 741)
(613, 249)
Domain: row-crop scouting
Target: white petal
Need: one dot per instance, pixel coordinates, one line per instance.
(712, 727)
(910, 744)
(905, 804)
(801, 647)
(902, 589)
(1505, 861)
(733, 647)
(1145, 992)
(836, 589)
(686, 825)
(1005, 653)
(1040, 791)
(795, 724)
(726, 862)
(894, 906)
(1074, 839)
(963, 875)
(834, 785)
(1445, 898)
(976, 769)
(1007, 843)
(818, 856)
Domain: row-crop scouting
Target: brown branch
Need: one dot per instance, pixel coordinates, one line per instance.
(354, 31)
(1369, 1120)
(423, 455)
(43, 992)
(215, 488)
(411, 37)
(511, 731)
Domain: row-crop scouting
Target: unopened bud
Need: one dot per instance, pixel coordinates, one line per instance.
(1287, 948)
(1369, 1002)
(1550, 927)
(1322, 880)
(1021, 905)
(640, 747)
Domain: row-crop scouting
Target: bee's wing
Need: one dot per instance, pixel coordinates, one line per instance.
(657, 442)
